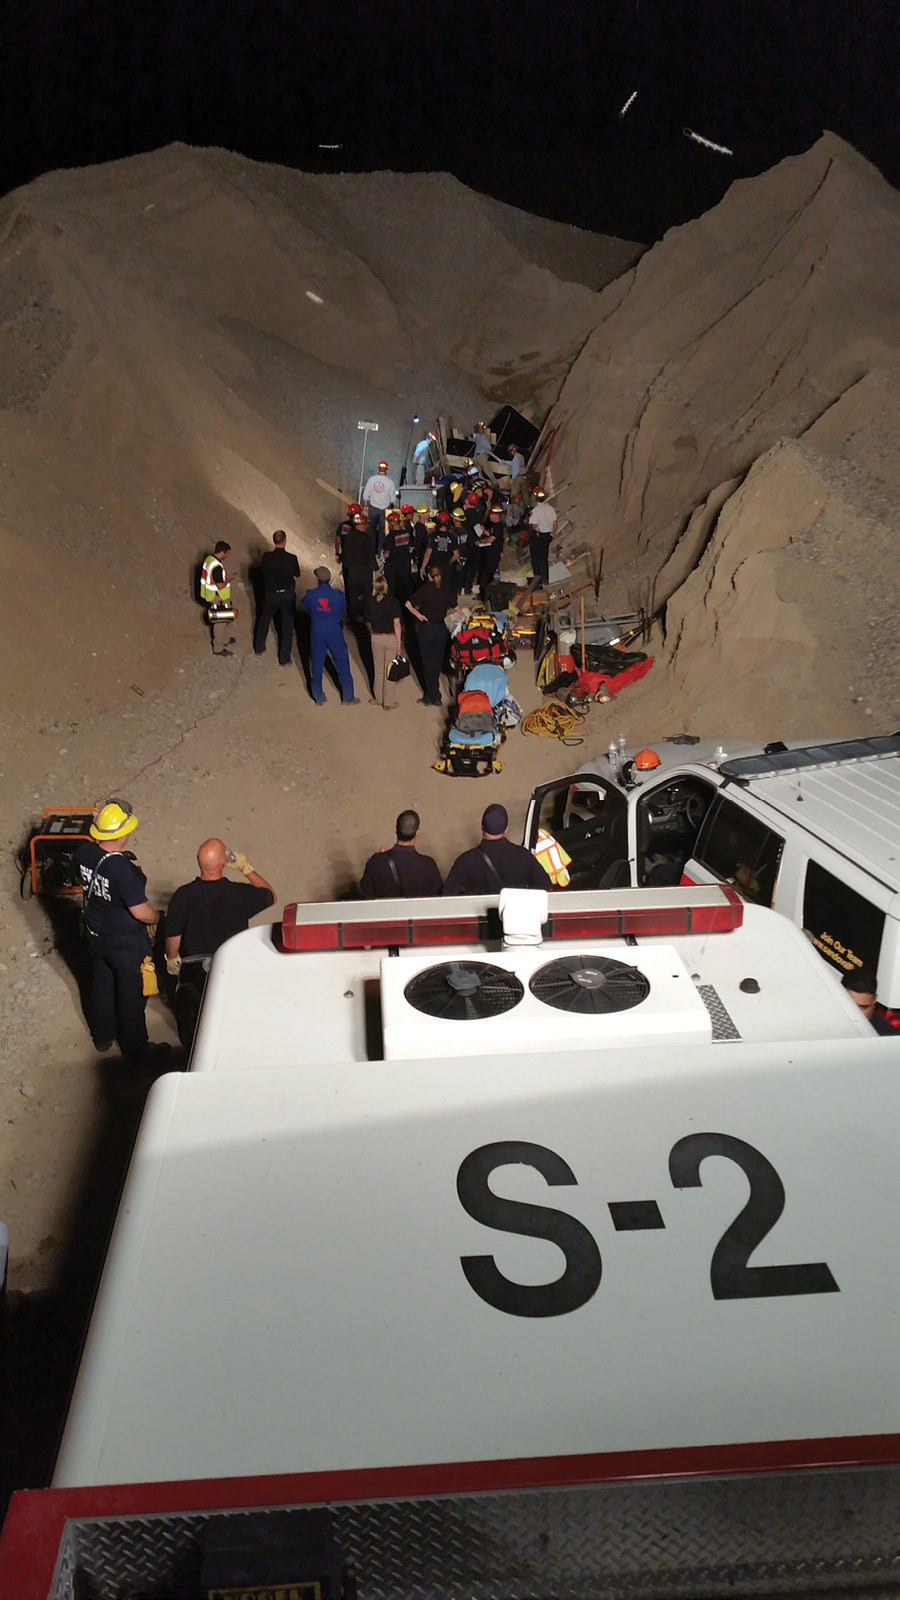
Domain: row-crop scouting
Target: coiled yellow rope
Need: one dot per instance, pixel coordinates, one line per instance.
(554, 721)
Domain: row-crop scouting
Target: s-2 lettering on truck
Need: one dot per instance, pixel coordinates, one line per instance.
(532, 1244)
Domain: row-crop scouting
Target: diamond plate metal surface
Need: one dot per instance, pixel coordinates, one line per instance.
(64, 1575)
(823, 1533)
(155, 1555)
(722, 1024)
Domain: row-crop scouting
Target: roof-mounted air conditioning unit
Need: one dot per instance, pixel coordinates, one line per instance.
(570, 998)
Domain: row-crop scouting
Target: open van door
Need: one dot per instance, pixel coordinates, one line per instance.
(588, 818)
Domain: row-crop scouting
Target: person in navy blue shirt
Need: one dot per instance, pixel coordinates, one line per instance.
(489, 544)
(429, 605)
(442, 549)
(325, 607)
(116, 917)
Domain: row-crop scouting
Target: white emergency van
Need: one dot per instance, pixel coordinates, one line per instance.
(811, 830)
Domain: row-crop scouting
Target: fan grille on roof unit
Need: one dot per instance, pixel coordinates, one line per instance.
(460, 991)
(591, 985)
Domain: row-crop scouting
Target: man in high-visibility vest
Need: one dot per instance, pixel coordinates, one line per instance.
(215, 587)
(553, 858)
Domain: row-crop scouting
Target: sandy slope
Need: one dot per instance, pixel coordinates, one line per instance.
(729, 434)
(166, 378)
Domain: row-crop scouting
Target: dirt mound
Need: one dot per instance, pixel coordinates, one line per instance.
(775, 316)
(188, 339)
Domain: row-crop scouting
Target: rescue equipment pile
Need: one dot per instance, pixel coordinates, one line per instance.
(481, 637)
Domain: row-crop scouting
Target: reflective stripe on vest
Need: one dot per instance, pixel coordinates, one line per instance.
(552, 858)
(208, 591)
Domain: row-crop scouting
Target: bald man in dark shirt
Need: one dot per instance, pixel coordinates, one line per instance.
(201, 915)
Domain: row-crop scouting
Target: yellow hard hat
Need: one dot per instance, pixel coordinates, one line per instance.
(114, 821)
(423, 510)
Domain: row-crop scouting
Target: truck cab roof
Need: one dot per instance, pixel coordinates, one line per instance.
(332, 1000)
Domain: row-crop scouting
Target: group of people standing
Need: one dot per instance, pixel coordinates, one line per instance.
(324, 605)
(400, 565)
(118, 920)
(494, 863)
(399, 560)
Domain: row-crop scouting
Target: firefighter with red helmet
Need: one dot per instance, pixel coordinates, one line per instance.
(354, 551)
(469, 531)
(379, 495)
(354, 509)
(408, 515)
(399, 549)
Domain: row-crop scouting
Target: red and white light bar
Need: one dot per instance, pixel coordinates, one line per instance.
(609, 914)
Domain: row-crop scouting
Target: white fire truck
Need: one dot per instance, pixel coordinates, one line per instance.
(536, 1245)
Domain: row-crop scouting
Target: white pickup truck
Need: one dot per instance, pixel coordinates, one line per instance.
(812, 830)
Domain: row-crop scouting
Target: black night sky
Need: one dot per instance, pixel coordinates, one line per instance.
(519, 99)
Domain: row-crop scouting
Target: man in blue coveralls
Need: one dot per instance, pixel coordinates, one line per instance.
(325, 607)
